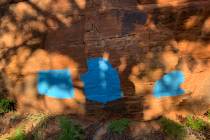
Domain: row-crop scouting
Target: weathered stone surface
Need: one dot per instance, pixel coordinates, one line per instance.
(143, 40)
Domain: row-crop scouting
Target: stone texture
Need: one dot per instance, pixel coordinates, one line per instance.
(143, 40)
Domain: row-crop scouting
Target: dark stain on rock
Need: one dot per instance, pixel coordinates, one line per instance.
(130, 18)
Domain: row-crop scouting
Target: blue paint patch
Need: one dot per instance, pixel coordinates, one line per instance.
(101, 82)
(169, 85)
(55, 83)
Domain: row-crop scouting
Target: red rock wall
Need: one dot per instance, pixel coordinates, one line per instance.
(143, 39)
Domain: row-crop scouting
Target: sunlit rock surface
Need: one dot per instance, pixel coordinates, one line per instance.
(144, 40)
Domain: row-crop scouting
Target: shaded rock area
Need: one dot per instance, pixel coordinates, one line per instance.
(47, 128)
(44, 127)
(143, 40)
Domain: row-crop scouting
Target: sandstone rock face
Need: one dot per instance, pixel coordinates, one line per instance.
(143, 40)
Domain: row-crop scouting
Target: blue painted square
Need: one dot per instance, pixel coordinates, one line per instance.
(55, 83)
(101, 82)
(169, 85)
